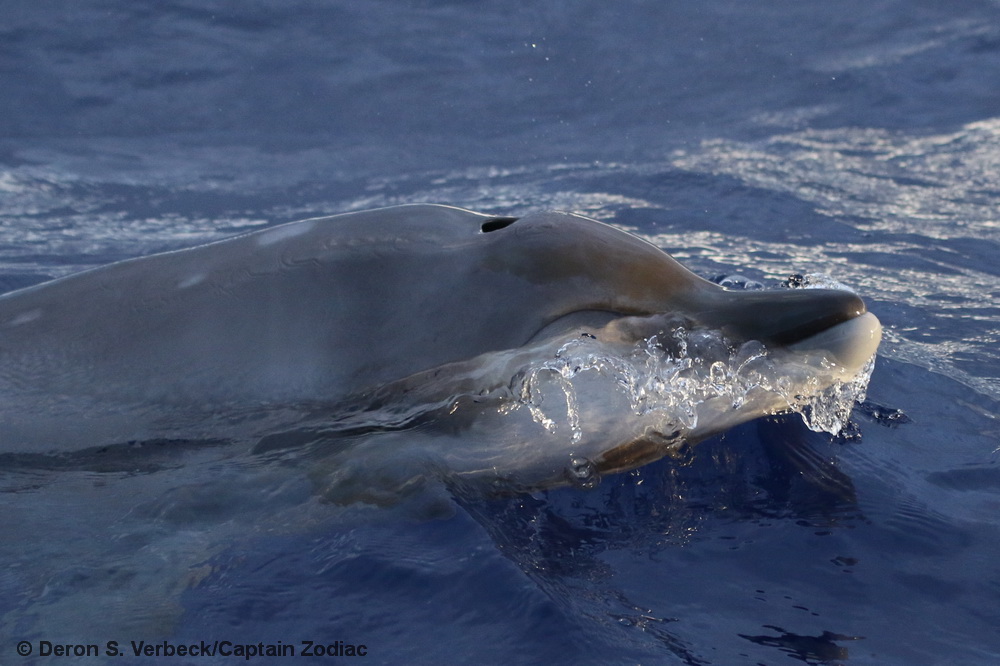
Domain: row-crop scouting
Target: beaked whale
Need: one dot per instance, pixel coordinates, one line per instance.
(159, 414)
(415, 308)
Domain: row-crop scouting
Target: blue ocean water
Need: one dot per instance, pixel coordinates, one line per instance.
(855, 139)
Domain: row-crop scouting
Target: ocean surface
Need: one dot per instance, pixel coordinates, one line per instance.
(857, 140)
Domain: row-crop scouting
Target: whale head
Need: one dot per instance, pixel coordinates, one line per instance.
(624, 356)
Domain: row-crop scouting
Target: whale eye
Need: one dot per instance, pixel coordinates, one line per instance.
(495, 223)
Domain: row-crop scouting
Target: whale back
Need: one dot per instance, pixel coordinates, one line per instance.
(322, 306)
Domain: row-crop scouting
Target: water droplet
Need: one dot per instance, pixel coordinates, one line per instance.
(737, 282)
(582, 473)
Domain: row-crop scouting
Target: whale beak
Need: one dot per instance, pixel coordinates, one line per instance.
(828, 320)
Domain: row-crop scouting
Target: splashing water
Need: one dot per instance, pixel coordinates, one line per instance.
(679, 379)
(815, 281)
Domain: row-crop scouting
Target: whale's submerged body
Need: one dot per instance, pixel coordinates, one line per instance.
(524, 351)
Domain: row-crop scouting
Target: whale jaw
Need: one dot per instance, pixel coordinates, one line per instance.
(851, 343)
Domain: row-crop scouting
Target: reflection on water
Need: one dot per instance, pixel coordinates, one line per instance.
(810, 649)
